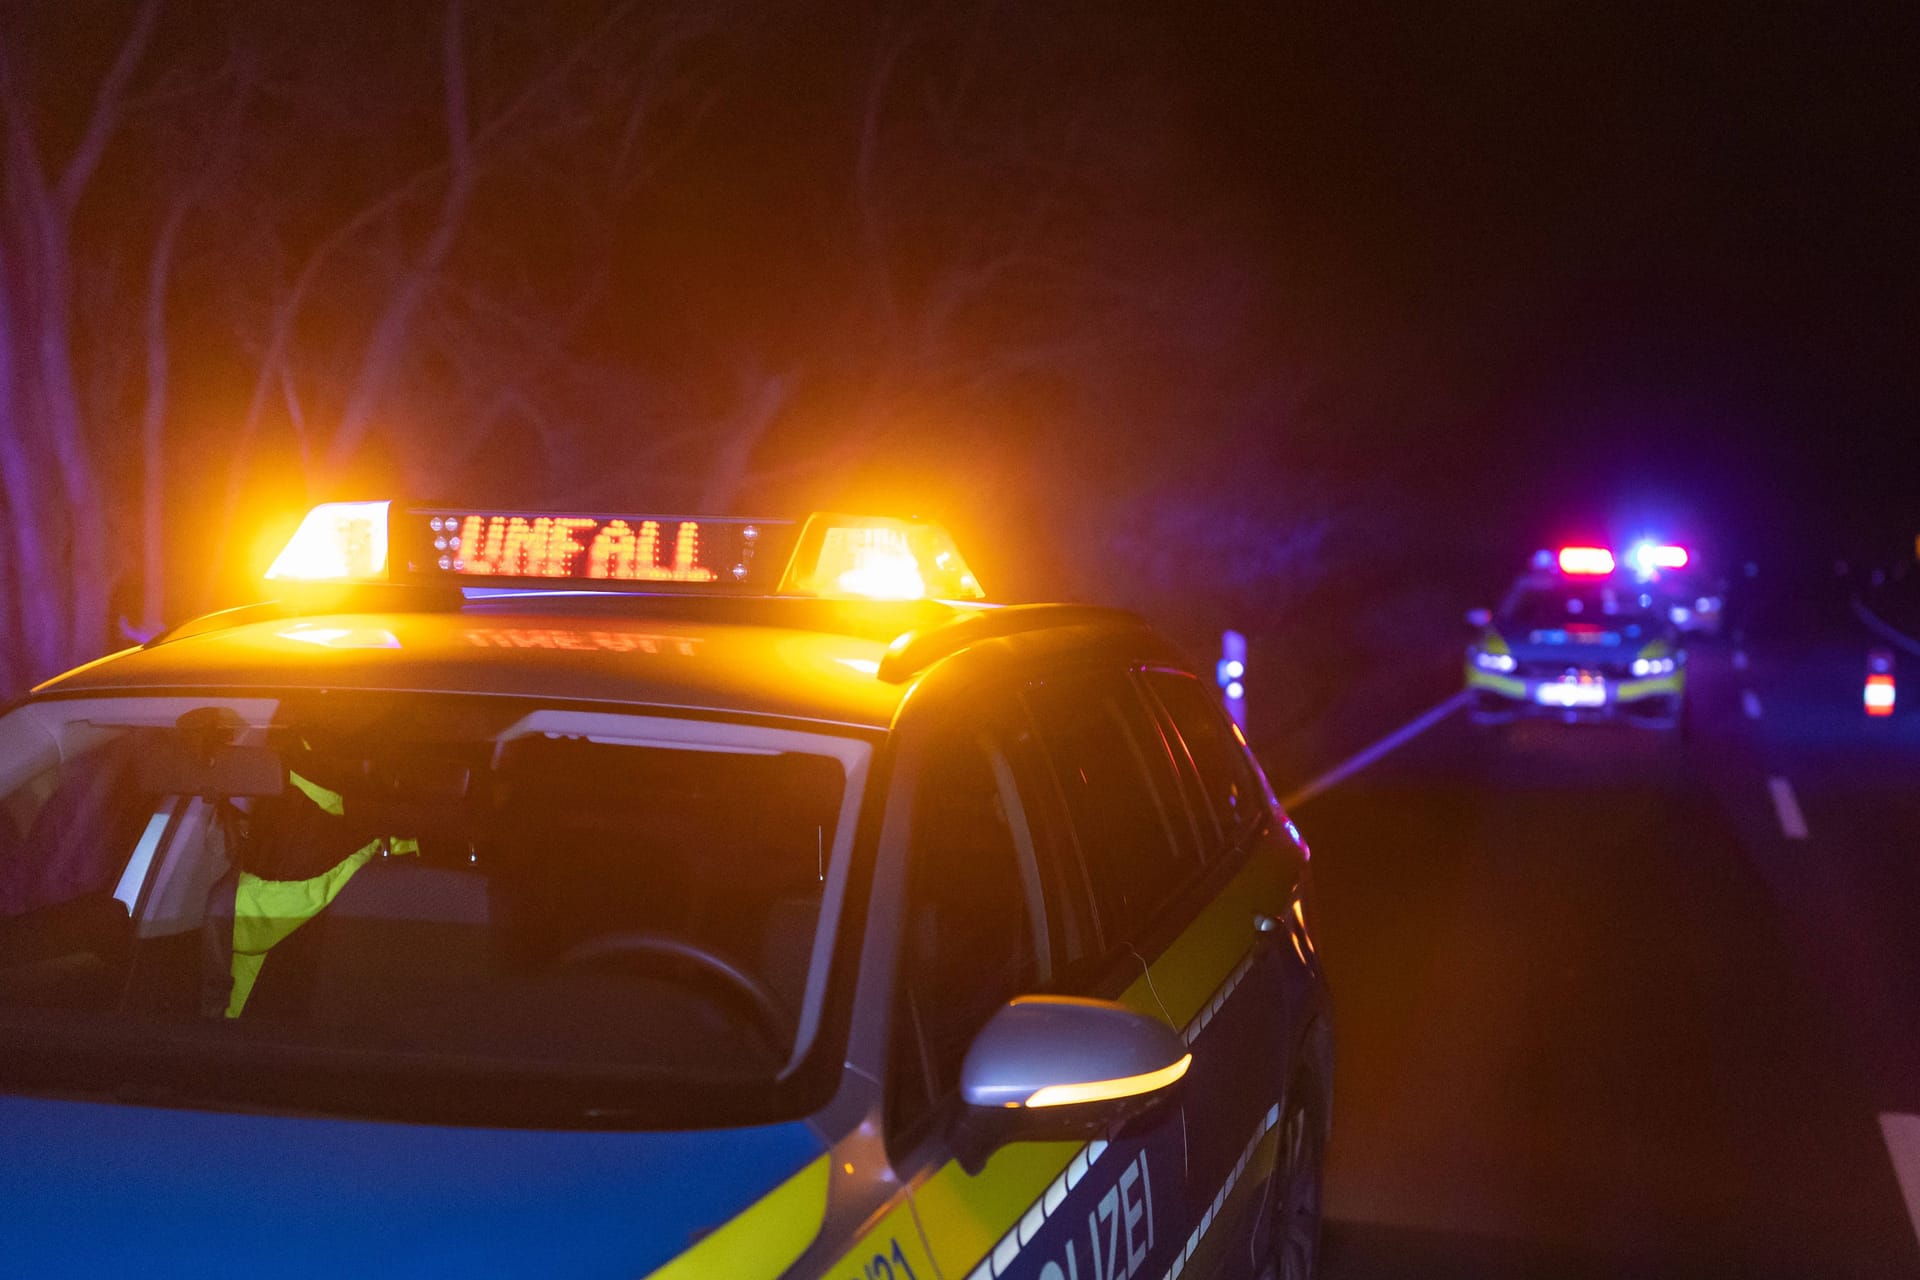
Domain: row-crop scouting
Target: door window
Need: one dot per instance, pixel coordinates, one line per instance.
(973, 936)
(1122, 796)
(1233, 792)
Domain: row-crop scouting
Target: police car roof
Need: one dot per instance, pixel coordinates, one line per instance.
(810, 659)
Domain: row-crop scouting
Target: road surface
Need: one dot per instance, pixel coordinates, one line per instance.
(1614, 1005)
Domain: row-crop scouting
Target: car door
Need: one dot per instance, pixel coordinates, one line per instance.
(1198, 914)
(992, 911)
(1246, 1034)
(1169, 901)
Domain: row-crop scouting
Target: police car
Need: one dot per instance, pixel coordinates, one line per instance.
(623, 895)
(1577, 640)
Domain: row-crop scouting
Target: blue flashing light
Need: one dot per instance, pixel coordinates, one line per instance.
(1231, 673)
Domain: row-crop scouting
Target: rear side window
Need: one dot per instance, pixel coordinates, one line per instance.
(1122, 797)
(1233, 791)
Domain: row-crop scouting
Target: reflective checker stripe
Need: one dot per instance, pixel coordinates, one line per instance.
(1002, 1256)
(1212, 1008)
(1205, 1224)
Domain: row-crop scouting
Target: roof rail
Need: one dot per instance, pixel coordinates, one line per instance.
(915, 651)
(299, 600)
(219, 620)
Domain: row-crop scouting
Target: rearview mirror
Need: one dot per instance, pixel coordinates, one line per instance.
(1480, 617)
(419, 778)
(1051, 1068)
(212, 771)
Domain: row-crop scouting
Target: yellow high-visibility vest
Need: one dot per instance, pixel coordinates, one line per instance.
(267, 912)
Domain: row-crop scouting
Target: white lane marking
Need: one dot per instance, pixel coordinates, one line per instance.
(1739, 659)
(1785, 807)
(1750, 703)
(1903, 1144)
(1355, 763)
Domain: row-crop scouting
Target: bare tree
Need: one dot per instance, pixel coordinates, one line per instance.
(1012, 230)
(210, 210)
(577, 108)
(260, 272)
(49, 469)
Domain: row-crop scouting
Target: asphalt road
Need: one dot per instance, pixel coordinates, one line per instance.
(1602, 1011)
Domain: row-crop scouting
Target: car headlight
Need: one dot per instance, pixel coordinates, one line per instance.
(1493, 661)
(1654, 666)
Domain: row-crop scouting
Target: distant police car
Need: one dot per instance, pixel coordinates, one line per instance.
(781, 912)
(1578, 641)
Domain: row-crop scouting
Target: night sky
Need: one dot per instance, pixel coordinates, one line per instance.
(1636, 256)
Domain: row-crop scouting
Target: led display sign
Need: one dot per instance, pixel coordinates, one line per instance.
(602, 549)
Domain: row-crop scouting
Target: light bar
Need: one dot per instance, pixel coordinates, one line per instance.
(833, 556)
(1586, 560)
(1063, 1095)
(877, 558)
(337, 542)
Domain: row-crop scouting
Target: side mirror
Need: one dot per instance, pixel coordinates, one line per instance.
(1480, 617)
(1053, 1068)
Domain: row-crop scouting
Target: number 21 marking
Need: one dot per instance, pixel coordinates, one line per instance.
(881, 1266)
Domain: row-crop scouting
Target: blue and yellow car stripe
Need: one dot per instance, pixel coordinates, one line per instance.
(1654, 686)
(764, 1239)
(892, 1249)
(1505, 686)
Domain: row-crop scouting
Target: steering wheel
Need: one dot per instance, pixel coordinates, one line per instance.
(647, 949)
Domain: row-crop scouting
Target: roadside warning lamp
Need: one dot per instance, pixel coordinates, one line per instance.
(1878, 695)
(1590, 561)
(1231, 671)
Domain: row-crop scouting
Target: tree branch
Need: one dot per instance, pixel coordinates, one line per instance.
(866, 199)
(459, 127)
(106, 107)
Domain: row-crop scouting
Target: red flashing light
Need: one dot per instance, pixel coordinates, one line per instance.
(1595, 561)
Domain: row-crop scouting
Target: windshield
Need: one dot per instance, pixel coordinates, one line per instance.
(354, 903)
(1594, 604)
